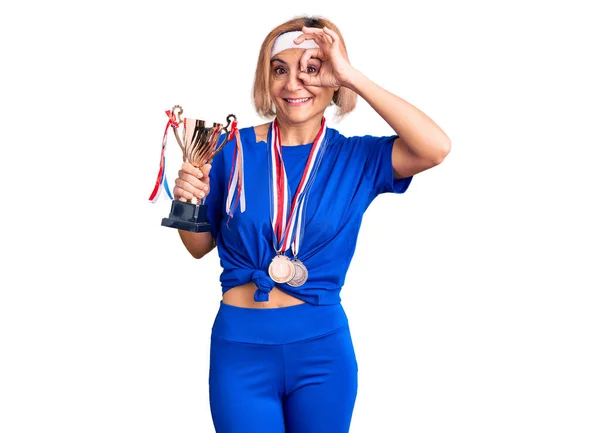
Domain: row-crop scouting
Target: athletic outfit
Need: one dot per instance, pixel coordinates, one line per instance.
(291, 369)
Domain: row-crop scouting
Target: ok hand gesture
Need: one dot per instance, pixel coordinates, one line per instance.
(335, 68)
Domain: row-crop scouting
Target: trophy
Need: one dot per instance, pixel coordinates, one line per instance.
(199, 146)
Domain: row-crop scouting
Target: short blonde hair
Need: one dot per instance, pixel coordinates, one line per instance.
(344, 98)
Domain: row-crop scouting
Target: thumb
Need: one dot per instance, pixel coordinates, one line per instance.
(309, 80)
(205, 170)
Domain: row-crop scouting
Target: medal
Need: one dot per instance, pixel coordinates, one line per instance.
(300, 274)
(281, 269)
(287, 216)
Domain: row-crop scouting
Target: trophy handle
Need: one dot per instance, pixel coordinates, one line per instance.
(227, 132)
(177, 112)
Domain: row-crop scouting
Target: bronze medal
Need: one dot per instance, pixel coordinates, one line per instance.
(281, 269)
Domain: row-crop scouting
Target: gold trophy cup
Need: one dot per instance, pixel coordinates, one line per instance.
(200, 144)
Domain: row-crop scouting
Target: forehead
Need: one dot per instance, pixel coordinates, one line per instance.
(289, 54)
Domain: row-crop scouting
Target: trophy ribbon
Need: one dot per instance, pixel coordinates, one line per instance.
(287, 218)
(161, 179)
(235, 190)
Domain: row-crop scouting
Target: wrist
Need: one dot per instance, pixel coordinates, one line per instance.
(354, 80)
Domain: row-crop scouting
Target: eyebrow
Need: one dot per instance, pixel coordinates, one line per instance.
(277, 59)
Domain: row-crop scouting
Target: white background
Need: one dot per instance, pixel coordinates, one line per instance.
(473, 298)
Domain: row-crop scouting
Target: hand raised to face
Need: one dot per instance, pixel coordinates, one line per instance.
(335, 69)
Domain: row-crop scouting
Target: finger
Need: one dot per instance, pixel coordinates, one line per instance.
(190, 190)
(311, 30)
(189, 183)
(309, 37)
(194, 181)
(331, 34)
(192, 170)
(205, 170)
(306, 56)
(310, 34)
(317, 34)
(181, 194)
(309, 80)
(323, 40)
(324, 43)
(300, 39)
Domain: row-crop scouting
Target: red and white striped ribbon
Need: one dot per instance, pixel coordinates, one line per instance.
(287, 216)
(235, 191)
(161, 179)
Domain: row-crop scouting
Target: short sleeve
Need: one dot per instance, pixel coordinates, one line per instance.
(214, 201)
(379, 165)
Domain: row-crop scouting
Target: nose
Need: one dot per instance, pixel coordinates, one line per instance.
(293, 82)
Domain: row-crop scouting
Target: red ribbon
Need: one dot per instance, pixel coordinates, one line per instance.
(233, 129)
(172, 122)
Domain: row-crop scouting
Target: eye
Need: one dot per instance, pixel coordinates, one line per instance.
(310, 69)
(279, 70)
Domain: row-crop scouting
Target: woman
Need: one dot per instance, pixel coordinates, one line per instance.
(282, 358)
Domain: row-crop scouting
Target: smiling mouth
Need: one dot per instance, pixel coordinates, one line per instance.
(296, 100)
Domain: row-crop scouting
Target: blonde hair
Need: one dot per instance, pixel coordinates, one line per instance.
(344, 98)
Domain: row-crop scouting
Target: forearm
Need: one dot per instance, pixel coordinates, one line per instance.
(422, 136)
(198, 244)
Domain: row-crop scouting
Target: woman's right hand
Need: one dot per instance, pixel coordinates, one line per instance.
(193, 183)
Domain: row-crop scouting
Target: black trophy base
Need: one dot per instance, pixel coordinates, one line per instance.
(187, 216)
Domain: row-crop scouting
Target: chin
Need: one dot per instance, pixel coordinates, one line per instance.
(298, 118)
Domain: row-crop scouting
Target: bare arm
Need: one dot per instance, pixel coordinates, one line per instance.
(421, 144)
(198, 244)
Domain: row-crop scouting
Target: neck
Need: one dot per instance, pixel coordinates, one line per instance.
(297, 134)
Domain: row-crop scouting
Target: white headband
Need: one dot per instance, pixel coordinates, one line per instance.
(286, 41)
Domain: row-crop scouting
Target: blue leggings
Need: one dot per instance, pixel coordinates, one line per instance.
(277, 370)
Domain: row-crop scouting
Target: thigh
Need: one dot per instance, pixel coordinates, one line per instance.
(245, 386)
(324, 376)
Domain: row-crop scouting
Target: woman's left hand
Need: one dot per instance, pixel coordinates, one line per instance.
(335, 69)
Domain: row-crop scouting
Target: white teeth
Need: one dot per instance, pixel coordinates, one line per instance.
(296, 101)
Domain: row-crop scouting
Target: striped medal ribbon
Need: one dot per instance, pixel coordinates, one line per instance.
(287, 216)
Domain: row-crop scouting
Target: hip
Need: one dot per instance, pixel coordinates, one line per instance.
(277, 325)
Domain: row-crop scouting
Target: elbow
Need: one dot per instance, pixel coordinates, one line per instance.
(442, 152)
(197, 244)
(197, 253)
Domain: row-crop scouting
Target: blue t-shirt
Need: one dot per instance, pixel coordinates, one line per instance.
(353, 171)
